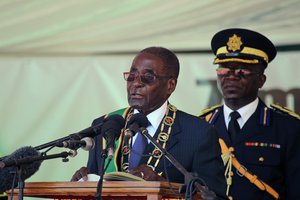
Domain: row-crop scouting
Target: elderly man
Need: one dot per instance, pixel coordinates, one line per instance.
(192, 142)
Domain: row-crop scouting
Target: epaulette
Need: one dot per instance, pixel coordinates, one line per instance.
(284, 110)
(208, 112)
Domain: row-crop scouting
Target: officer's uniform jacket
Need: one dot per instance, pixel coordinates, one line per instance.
(268, 146)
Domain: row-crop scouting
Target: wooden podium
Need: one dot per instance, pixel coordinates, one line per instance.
(113, 190)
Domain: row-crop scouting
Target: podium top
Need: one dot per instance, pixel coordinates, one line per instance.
(111, 189)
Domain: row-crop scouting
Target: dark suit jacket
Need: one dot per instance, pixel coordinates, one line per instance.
(270, 150)
(193, 143)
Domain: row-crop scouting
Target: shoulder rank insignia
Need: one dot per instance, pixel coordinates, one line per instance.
(209, 113)
(284, 110)
(209, 110)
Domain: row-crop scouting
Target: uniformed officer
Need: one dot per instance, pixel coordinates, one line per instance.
(260, 145)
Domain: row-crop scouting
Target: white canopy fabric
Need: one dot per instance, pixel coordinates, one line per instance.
(57, 72)
(90, 27)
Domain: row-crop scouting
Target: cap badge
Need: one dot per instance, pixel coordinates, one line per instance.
(234, 43)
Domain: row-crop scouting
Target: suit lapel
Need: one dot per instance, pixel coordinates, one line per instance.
(221, 127)
(172, 140)
(174, 135)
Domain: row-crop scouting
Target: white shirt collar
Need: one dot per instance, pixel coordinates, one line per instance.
(245, 112)
(154, 118)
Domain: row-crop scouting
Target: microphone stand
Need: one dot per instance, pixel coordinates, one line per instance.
(21, 183)
(100, 182)
(52, 143)
(19, 163)
(206, 194)
(28, 160)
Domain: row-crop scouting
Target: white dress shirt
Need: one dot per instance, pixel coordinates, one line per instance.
(154, 118)
(245, 112)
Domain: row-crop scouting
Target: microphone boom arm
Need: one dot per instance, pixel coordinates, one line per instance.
(88, 132)
(167, 154)
(188, 177)
(52, 143)
(28, 160)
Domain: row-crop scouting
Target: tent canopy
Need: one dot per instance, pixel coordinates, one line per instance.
(90, 27)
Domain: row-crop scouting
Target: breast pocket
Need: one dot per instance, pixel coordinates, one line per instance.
(261, 161)
(263, 156)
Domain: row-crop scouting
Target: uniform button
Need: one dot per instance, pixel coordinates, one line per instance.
(261, 159)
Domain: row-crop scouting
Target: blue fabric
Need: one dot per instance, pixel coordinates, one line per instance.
(137, 150)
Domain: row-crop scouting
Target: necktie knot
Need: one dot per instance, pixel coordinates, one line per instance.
(235, 115)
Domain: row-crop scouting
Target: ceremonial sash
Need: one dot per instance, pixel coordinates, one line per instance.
(113, 164)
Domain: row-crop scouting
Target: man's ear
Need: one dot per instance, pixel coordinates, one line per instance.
(171, 85)
(261, 81)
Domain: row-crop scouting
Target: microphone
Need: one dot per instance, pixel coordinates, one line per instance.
(88, 132)
(8, 170)
(136, 121)
(6, 179)
(96, 130)
(92, 131)
(86, 144)
(111, 131)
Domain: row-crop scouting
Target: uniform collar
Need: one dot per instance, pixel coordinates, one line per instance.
(245, 112)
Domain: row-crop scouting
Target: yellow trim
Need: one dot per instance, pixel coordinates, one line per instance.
(3, 194)
(173, 109)
(217, 60)
(285, 109)
(207, 117)
(119, 145)
(265, 115)
(246, 50)
(207, 110)
(213, 116)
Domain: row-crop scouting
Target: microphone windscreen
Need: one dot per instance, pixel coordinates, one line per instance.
(7, 173)
(111, 128)
(118, 119)
(139, 119)
(6, 179)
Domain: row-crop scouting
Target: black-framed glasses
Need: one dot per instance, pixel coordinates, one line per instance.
(240, 72)
(146, 78)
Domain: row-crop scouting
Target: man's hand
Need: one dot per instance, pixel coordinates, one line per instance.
(146, 173)
(81, 173)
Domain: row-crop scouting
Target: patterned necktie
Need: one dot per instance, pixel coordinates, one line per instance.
(233, 126)
(137, 150)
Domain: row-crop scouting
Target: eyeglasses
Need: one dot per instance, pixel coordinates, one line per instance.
(237, 72)
(147, 78)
